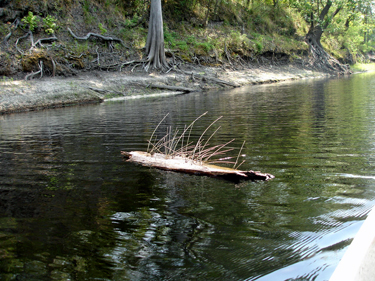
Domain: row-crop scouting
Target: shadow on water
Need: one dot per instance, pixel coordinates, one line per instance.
(72, 209)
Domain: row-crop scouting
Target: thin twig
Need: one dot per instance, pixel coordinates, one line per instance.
(152, 135)
(206, 131)
(239, 155)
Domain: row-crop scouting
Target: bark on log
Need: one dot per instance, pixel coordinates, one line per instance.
(185, 165)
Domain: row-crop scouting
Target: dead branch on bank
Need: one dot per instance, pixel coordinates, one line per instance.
(34, 44)
(98, 36)
(175, 152)
(208, 78)
(104, 91)
(172, 88)
(136, 62)
(32, 74)
(13, 27)
(44, 40)
(23, 37)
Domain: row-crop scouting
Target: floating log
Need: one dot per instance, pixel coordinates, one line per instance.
(189, 166)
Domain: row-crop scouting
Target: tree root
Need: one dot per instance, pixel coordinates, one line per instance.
(14, 26)
(44, 40)
(322, 60)
(34, 44)
(23, 37)
(32, 74)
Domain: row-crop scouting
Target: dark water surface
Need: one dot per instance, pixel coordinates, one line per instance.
(72, 209)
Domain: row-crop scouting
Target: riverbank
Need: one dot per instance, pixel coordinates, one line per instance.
(95, 87)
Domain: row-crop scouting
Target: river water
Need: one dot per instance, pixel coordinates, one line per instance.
(72, 209)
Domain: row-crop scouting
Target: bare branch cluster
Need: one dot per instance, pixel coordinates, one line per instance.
(176, 144)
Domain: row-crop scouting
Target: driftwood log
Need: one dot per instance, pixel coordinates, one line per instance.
(186, 165)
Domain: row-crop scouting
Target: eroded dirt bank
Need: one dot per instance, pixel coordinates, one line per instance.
(95, 87)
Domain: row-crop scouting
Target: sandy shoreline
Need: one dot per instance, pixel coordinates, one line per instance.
(95, 87)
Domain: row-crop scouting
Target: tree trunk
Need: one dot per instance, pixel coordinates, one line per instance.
(155, 38)
(320, 58)
(314, 35)
(205, 23)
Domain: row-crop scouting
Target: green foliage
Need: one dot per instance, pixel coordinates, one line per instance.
(102, 29)
(80, 48)
(238, 40)
(131, 22)
(49, 24)
(4, 29)
(187, 44)
(86, 6)
(31, 20)
(137, 36)
(6, 79)
(206, 46)
(245, 28)
(87, 12)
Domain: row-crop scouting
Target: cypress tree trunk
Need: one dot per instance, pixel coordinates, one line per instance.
(155, 38)
(321, 59)
(313, 37)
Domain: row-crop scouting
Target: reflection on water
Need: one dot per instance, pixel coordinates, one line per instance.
(72, 209)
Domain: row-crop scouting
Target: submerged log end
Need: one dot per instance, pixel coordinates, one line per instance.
(126, 154)
(246, 176)
(259, 176)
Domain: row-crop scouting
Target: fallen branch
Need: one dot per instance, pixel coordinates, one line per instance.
(137, 62)
(14, 26)
(104, 38)
(47, 40)
(205, 77)
(228, 55)
(32, 74)
(219, 81)
(23, 37)
(103, 91)
(172, 88)
(53, 68)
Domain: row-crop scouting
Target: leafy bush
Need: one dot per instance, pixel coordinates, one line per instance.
(102, 29)
(205, 46)
(31, 20)
(49, 24)
(238, 40)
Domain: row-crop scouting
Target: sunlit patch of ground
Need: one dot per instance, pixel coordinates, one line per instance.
(363, 67)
